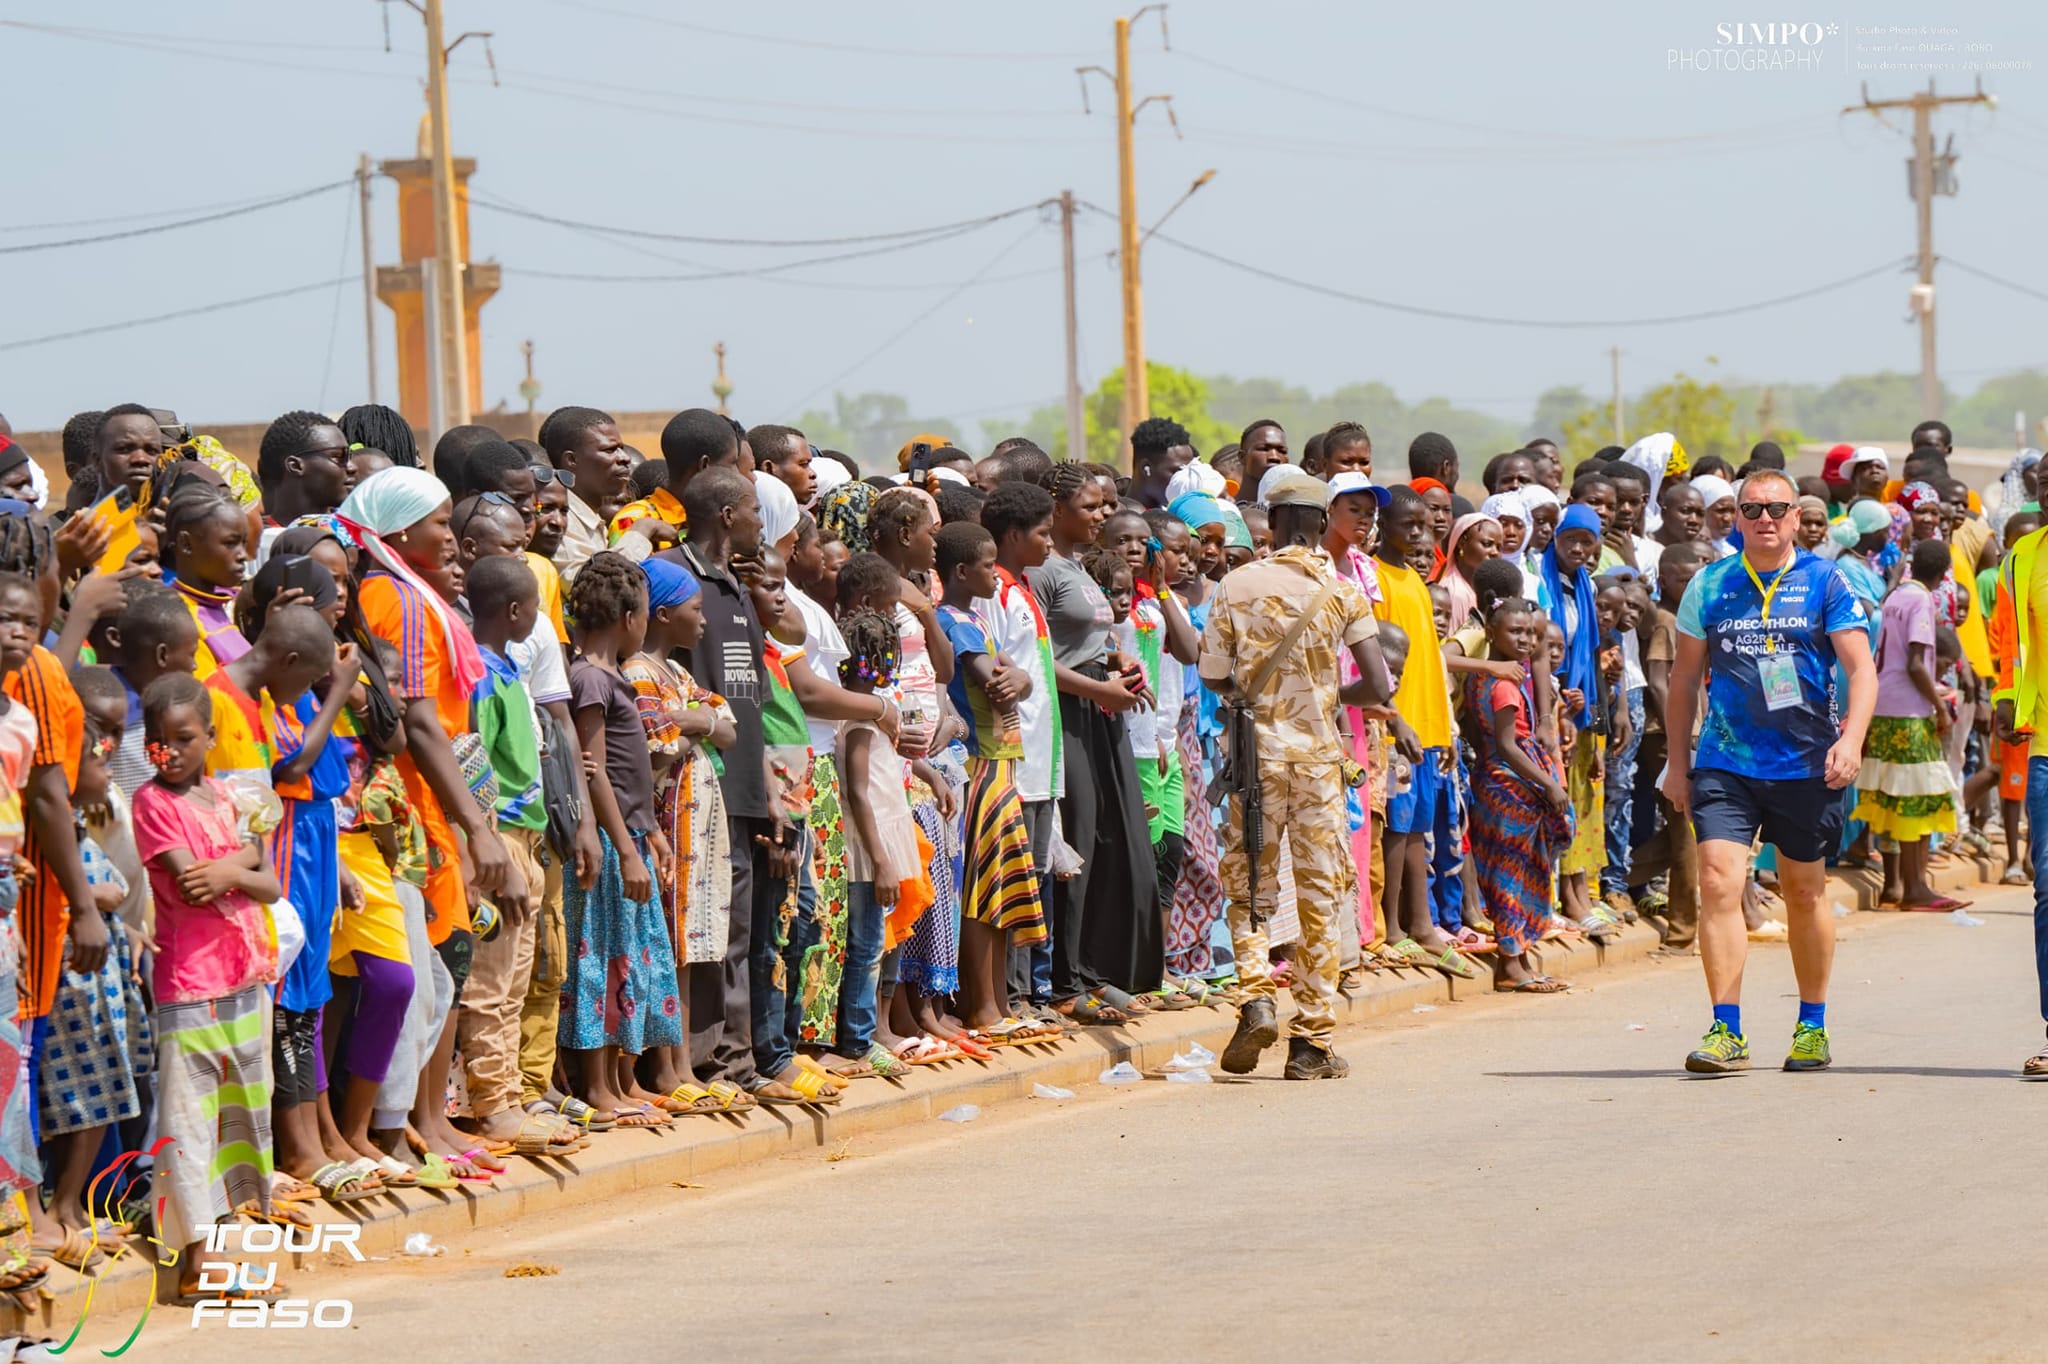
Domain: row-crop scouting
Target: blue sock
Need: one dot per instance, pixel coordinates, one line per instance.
(1815, 1014)
(1730, 1014)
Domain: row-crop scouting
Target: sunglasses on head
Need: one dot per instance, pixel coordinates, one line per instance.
(1750, 511)
(491, 499)
(544, 474)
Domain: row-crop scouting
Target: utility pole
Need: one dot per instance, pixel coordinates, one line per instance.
(1076, 438)
(1614, 357)
(1137, 404)
(453, 339)
(1928, 175)
(369, 272)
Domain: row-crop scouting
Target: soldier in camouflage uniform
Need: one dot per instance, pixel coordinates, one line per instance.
(1300, 768)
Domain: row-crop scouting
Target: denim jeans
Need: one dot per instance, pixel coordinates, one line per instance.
(2037, 839)
(861, 983)
(1621, 785)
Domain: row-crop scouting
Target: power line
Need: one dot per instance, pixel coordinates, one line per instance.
(70, 30)
(914, 322)
(937, 232)
(783, 40)
(144, 216)
(1387, 111)
(1417, 310)
(846, 286)
(222, 306)
(204, 53)
(220, 216)
(1990, 278)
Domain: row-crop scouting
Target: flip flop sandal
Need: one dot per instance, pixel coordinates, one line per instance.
(76, 1251)
(340, 1183)
(974, 1048)
(1534, 985)
(1453, 963)
(398, 1175)
(696, 1099)
(845, 1067)
(1941, 904)
(285, 1189)
(735, 1099)
(2036, 1066)
(286, 1214)
(810, 1088)
(1131, 1005)
(434, 1173)
(24, 1276)
(584, 1116)
(811, 1065)
(1089, 1010)
(886, 1063)
(1410, 953)
(482, 1175)
(2015, 875)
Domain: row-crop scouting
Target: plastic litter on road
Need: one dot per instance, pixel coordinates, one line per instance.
(1423, 1009)
(1188, 1077)
(1050, 1092)
(1966, 919)
(1122, 1073)
(1638, 1027)
(421, 1246)
(963, 1113)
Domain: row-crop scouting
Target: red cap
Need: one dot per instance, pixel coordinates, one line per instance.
(1831, 468)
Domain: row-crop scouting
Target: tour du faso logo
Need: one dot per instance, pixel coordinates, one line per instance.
(1776, 45)
(229, 1290)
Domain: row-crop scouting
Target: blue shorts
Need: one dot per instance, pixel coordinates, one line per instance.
(1802, 818)
(1432, 796)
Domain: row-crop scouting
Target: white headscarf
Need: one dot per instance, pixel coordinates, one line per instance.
(1651, 454)
(779, 511)
(390, 501)
(1510, 504)
(1194, 477)
(1712, 488)
(830, 474)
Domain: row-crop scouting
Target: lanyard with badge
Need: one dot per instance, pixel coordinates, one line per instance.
(1778, 673)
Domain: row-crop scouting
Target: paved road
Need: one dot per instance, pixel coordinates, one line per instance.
(1527, 1179)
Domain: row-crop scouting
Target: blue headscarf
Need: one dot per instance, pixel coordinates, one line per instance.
(668, 583)
(1197, 510)
(1581, 647)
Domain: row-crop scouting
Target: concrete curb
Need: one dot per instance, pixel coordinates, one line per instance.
(626, 1161)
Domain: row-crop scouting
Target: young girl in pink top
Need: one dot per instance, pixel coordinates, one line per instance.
(215, 953)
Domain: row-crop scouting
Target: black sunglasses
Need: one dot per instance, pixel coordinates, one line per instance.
(544, 474)
(1752, 510)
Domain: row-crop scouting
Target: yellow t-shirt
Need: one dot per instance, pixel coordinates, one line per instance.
(550, 593)
(1423, 698)
(2036, 624)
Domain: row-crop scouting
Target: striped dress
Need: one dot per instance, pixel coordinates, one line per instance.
(1517, 834)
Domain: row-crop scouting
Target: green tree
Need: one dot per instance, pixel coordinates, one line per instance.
(1985, 418)
(870, 427)
(1700, 413)
(1556, 407)
(1175, 393)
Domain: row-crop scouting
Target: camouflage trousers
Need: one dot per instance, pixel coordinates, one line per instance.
(1304, 804)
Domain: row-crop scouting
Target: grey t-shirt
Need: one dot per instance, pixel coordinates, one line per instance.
(1077, 614)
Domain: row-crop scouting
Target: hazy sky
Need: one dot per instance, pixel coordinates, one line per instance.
(1540, 162)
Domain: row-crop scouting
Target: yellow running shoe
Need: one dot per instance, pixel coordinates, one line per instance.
(1809, 1049)
(1720, 1052)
